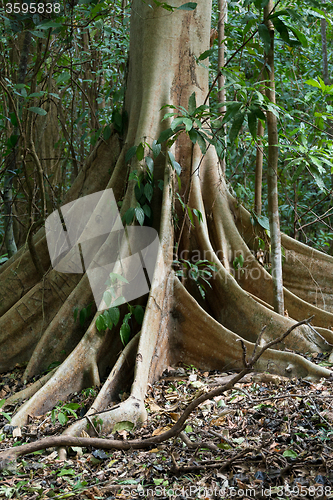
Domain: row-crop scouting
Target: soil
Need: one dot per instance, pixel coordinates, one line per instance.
(268, 437)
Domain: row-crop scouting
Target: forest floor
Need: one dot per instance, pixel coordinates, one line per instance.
(268, 437)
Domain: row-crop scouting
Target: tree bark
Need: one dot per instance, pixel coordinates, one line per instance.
(272, 185)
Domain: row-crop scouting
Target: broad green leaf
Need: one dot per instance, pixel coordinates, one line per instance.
(188, 6)
(107, 297)
(147, 210)
(290, 454)
(100, 323)
(63, 419)
(150, 164)
(192, 104)
(193, 135)
(114, 314)
(236, 126)
(252, 121)
(156, 149)
(265, 36)
(83, 316)
(232, 110)
(67, 472)
(130, 153)
(202, 143)
(313, 83)
(188, 124)
(140, 215)
(36, 94)
(123, 426)
(38, 111)
(139, 314)
(64, 77)
(176, 123)
(106, 132)
(140, 151)
(165, 135)
(189, 211)
(125, 333)
(129, 216)
(148, 190)
(117, 277)
(175, 165)
(205, 54)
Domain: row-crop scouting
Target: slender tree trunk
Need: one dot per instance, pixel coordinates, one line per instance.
(323, 24)
(273, 153)
(258, 178)
(11, 162)
(221, 60)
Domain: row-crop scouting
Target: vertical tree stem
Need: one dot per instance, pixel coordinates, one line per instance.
(273, 154)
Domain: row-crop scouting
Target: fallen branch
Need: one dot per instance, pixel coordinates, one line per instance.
(12, 454)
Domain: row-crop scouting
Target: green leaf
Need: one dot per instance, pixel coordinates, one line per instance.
(265, 36)
(188, 124)
(100, 323)
(38, 111)
(192, 105)
(64, 77)
(117, 277)
(193, 135)
(313, 83)
(125, 333)
(165, 135)
(67, 472)
(150, 164)
(106, 132)
(114, 314)
(175, 165)
(188, 6)
(189, 211)
(232, 110)
(63, 419)
(252, 121)
(140, 151)
(36, 94)
(202, 143)
(156, 149)
(176, 123)
(129, 215)
(139, 314)
(147, 210)
(107, 297)
(148, 190)
(140, 215)
(130, 153)
(290, 454)
(83, 316)
(123, 426)
(236, 126)
(206, 54)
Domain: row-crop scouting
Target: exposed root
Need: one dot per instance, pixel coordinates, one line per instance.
(202, 341)
(63, 333)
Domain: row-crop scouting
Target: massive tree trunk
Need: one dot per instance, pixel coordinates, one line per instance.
(37, 325)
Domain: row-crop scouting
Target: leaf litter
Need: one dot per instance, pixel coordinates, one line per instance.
(267, 437)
